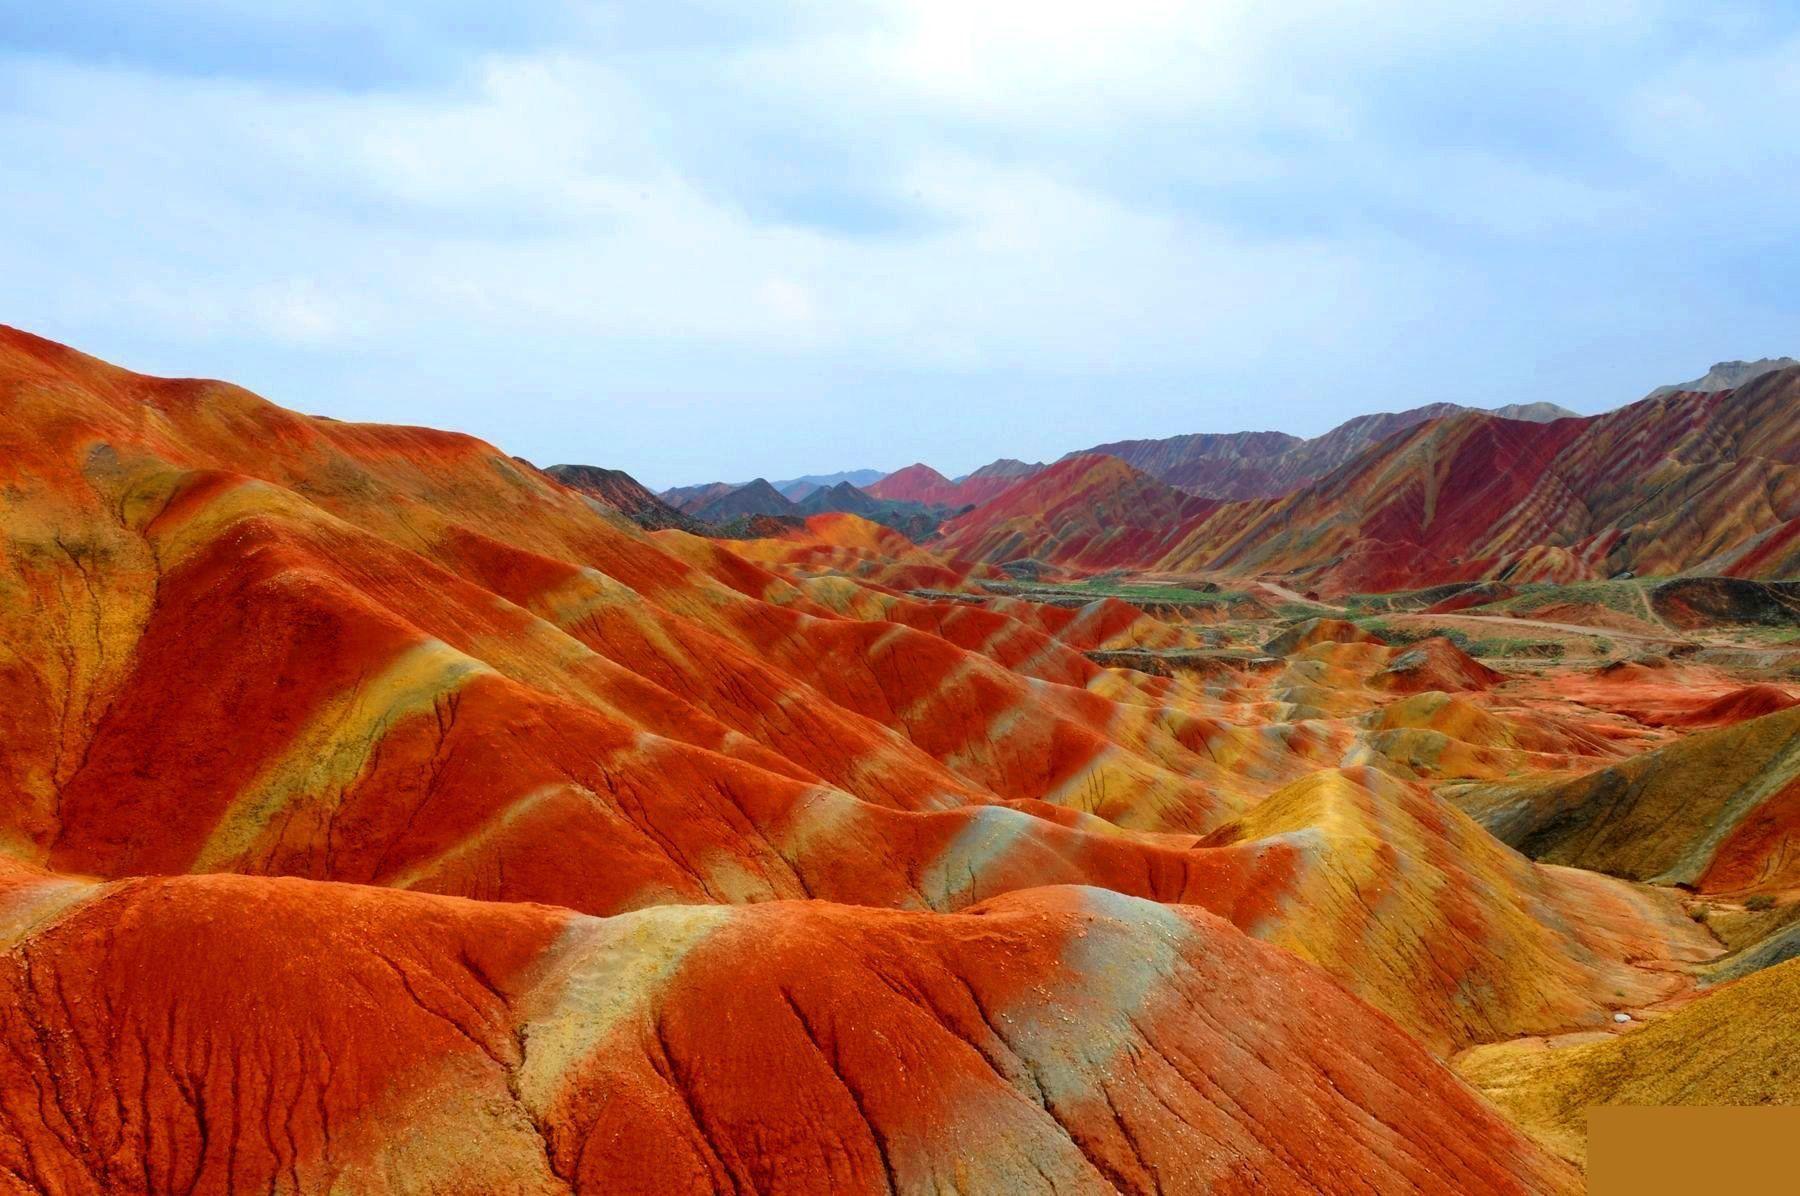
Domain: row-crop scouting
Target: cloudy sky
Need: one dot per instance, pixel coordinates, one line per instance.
(705, 239)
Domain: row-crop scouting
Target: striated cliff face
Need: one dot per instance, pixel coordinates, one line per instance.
(1705, 481)
(1243, 465)
(1686, 481)
(1092, 512)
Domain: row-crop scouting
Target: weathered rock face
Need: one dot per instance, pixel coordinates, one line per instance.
(1706, 481)
(1241, 465)
(1697, 602)
(335, 1038)
(1718, 810)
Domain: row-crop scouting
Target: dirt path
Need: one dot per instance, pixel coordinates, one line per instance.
(1288, 595)
(1568, 628)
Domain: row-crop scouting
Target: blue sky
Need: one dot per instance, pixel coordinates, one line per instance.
(716, 239)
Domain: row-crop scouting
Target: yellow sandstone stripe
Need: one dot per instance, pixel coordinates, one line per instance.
(335, 745)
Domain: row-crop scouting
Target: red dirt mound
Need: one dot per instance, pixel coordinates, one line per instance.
(1434, 663)
(1645, 668)
(1318, 631)
(1057, 1040)
(1752, 701)
(1587, 614)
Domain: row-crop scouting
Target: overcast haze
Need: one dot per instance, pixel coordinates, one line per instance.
(716, 240)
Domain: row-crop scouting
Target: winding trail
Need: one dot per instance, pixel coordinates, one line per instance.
(1288, 595)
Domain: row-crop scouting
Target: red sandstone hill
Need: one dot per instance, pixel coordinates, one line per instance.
(923, 484)
(1084, 512)
(1694, 480)
(381, 815)
(1703, 481)
(916, 483)
(1718, 811)
(1065, 1040)
(1242, 465)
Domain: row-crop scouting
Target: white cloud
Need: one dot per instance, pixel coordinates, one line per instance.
(1223, 193)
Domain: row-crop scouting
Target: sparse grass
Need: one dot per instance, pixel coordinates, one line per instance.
(1767, 634)
(1128, 591)
(1489, 646)
(1387, 631)
(1150, 590)
(1628, 597)
(1508, 647)
(1400, 601)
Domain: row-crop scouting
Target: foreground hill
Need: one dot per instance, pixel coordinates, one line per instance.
(1734, 1047)
(1066, 1040)
(1717, 811)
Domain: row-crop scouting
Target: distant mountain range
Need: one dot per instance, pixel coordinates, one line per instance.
(799, 488)
(915, 521)
(736, 510)
(1691, 479)
(757, 497)
(922, 484)
(1216, 465)
(1438, 492)
(1005, 467)
(1727, 375)
(1267, 464)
